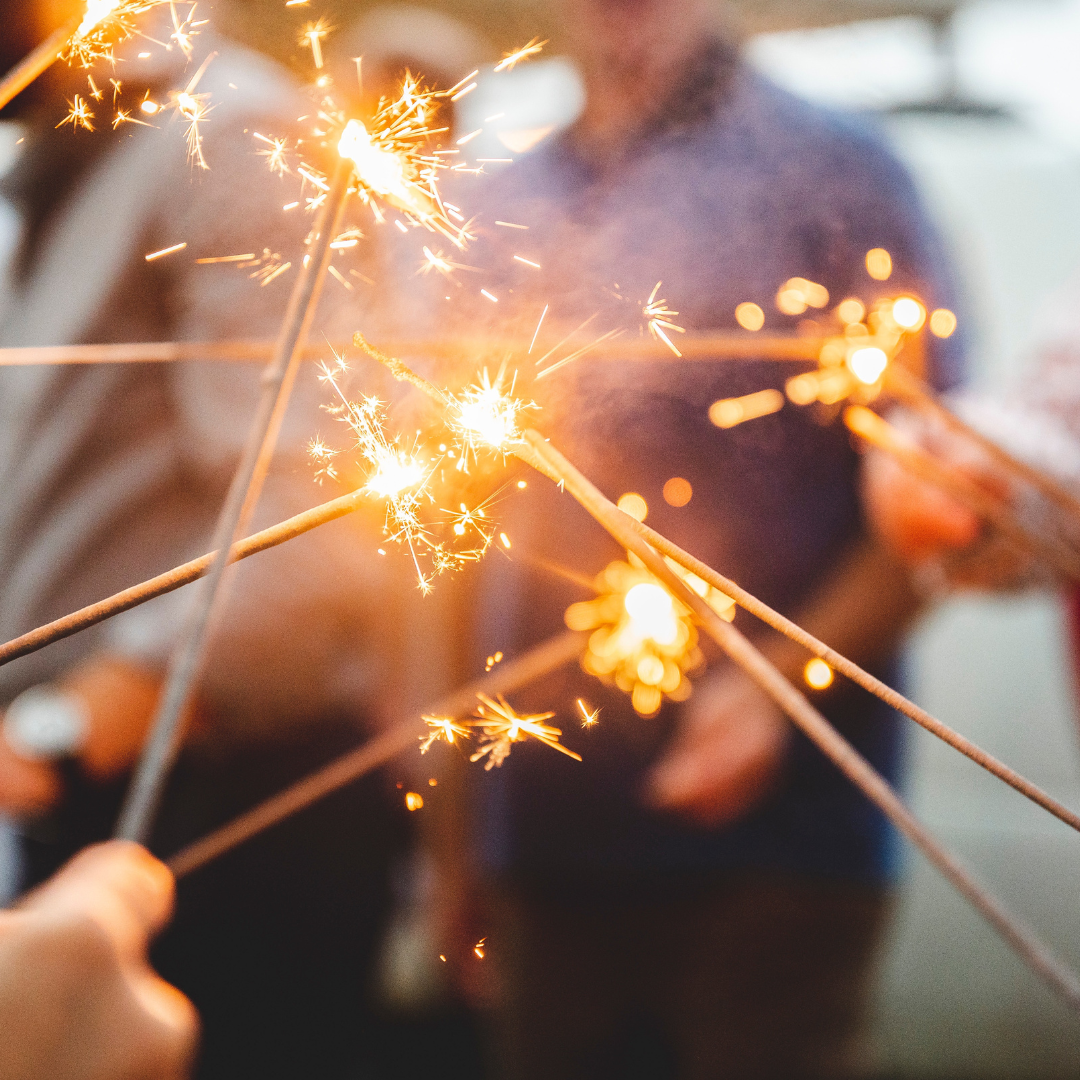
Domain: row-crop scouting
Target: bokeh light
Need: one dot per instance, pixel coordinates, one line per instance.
(818, 674)
(677, 491)
(749, 316)
(942, 323)
(634, 505)
(879, 264)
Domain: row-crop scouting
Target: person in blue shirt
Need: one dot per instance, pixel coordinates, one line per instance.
(702, 895)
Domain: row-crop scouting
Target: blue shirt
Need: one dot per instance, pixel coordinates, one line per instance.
(742, 187)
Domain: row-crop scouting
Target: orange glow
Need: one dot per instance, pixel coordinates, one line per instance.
(413, 801)
(797, 294)
(850, 311)
(818, 674)
(868, 365)
(677, 491)
(942, 323)
(633, 504)
(749, 316)
(879, 264)
(908, 313)
(728, 412)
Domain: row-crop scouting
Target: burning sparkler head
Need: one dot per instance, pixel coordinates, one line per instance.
(643, 640)
(397, 472)
(96, 12)
(485, 415)
(501, 727)
(381, 170)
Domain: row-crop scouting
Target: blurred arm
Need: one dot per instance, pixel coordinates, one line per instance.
(731, 745)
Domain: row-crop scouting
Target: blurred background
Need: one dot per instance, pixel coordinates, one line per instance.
(982, 102)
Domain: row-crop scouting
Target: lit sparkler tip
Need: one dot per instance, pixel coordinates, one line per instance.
(486, 415)
(643, 640)
(442, 729)
(501, 726)
(97, 11)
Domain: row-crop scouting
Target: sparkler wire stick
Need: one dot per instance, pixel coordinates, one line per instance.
(703, 348)
(161, 746)
(544, 457)
(880, 433)
(93, 614)
(902, 384)
(38, 62)
(793, 631)
(539, 661)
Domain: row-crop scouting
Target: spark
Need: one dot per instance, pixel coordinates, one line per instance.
(469, 138)
(501, 727)
(492, 660)
(436, 260)
(478, 948)
(124, 117)
(589, 717)
(513, 58)
(312, 37)
(442, 729)
(490, 296)
(165, 251)
(95, 93)
(79, 115)
(644, 639)
(275, 156)
(335, 272)
(467, 90)
(543, 315)
(227, 258)
(193, 108)
(510, 225)
(268, 268)
(658, 317)
(414, 800)
(527, 262)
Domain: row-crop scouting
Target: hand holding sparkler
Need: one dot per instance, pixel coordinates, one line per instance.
(727, 754)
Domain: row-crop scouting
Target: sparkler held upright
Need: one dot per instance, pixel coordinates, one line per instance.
(162, 744)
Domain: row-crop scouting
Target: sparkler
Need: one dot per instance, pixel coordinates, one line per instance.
(643, 640)
(702, 348)
(392, 164)
(397, 739)
(903, 385)
(177, 577)
(163, 741)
